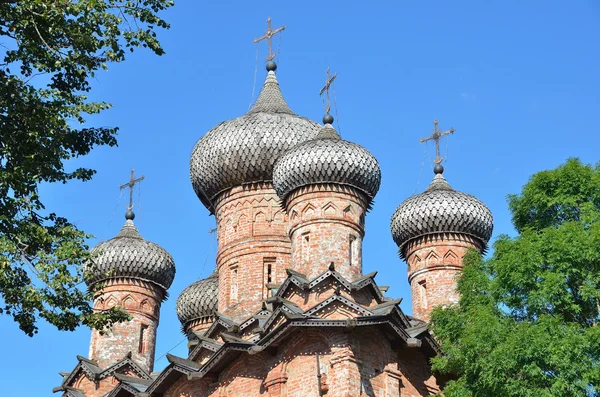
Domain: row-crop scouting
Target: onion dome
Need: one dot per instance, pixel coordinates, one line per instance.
(129, 255)
(244, 150)
(198, 300)
(441, 209)
(327, 159)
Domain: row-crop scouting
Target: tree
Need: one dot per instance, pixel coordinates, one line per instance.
(51, 51)
(528, 319)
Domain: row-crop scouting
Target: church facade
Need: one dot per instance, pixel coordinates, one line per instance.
(288, 310)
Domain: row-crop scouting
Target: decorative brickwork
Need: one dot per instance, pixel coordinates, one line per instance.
(254, 247)
(434, 263)
(199, 325)
(327, 226)
(142, 301)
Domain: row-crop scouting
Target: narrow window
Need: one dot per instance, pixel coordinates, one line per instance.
(234, 284)
(269, 269)
(306, 247)
(143, 332)
(269, 265)
(351, 249)
(423, 292)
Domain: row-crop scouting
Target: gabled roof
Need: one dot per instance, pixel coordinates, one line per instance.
(129, 386)
(300, 281)
(222, 323)
(341, 299)
(71, 392)
(203, 344)
(94, 373)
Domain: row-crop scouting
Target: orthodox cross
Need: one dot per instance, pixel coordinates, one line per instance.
(268, 36)
(130, 185)
(326, 89)
(436, 136)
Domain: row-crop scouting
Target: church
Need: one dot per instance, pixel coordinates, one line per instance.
(287, 310)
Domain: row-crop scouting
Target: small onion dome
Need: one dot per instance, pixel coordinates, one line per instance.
(244, 150)
(441, 209)
(198, 300)
(129, 255)
(327, 159)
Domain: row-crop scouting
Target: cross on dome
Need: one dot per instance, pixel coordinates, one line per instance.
(130, 185)
(436, 136)
(325, 89)
(269, 36)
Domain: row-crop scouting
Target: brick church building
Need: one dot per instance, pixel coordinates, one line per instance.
(288, 310)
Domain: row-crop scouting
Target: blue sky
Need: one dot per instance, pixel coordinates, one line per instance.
(517, 80)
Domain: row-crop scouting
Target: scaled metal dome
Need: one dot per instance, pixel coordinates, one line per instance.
(129, 255)
(198, 300)
(244, 149)
(327, 159)
(441, 209)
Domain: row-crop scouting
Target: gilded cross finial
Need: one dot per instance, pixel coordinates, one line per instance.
(130, 185)
(325, 89)
(268, 36)
(436, 136)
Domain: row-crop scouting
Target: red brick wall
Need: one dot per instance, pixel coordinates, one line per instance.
(434, 263)
(254, 247)
(360, 363)
(142, 301)
(199, 325)
(94, 389)
(416, 377)
(327, 225)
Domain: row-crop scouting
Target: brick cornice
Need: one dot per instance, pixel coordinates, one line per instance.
(434, 268)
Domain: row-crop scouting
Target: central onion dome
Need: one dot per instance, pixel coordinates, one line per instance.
(244, 150)
(327, 159)
(441, 209)
(128, 255)
(198, 300)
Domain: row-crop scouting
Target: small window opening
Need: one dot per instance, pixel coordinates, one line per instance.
(143, 332)
(269, 269)
(270, 274)
(234, 284)
(423, 292)
(351, 249)
(306, 247)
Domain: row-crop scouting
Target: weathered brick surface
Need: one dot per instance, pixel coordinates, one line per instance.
(254, 247)
(327, 225)
(360, 363)
(142, 301)
(434, 263)
(98, 388)
(306, 299)
(199, 325)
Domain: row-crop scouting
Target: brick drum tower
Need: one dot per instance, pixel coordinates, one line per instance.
(231, 171)
(434, 230)
(134, 274)
(326, 186)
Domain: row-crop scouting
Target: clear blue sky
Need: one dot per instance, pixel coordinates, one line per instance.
(517, 80)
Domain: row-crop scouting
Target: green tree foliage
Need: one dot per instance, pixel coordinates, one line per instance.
(51, 51)
(528, 320)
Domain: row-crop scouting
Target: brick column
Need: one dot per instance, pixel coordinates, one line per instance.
(345, 375)
(254, 247)
(142, 301)
(434, 264)
(327, 225)
(275, 382)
